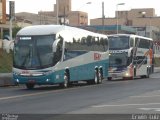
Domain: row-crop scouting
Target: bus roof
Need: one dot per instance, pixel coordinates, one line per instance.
(53, 29)
(40, 30)
(130, 35)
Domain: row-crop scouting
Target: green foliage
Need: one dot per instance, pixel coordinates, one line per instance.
(157, 62)
(5, 61)
(15, 31)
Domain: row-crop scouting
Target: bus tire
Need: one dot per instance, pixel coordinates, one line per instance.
(66, 79)
(148, 72)
(100, 75)
(96, 76)
(30, 85)
(90, 82)
(134, 72)
(109, 78)
(132, 78)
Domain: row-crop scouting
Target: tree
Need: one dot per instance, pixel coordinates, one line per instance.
(15, 31)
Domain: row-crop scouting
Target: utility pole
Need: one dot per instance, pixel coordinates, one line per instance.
(10, 28)
(102, 13)
(64, 15)
(12, 16)
(117, 16)
(57, 5)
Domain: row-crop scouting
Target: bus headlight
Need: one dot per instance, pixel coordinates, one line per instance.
(126, 74)
(17, 80)
(47, 80)
(14, 73)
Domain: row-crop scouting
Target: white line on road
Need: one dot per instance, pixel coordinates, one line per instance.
(26, 95)
(41, 93)
(123, 105)
(148, 109)
(145, 96)
(34, 94)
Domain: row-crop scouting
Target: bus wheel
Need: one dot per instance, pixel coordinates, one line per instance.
(66, 81)
(109, 78)
(30, 86)
(96, 76)
(100, 75)
(148, 73)
(132, 78)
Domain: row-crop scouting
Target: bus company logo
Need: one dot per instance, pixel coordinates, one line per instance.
(25, 72)
(97, 56)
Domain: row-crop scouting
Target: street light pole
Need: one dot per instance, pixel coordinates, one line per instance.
(10, 27)
(57, 5)
(117, 13)
(103, 14)
(84, 5)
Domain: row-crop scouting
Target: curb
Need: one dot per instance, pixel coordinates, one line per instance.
(156, 69)
(6, 79)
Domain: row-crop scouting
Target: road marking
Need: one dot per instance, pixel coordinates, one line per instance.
(34, 94)
(145, 96)
(148, 109)
(123, 105)
(26, 95)
(47, 92)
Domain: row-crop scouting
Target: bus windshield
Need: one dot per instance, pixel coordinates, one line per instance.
(33, 52)
(118, 42)
(118, 59)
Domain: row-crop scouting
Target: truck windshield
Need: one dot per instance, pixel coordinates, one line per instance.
(33, 52)
(118, 59)
(118, 42)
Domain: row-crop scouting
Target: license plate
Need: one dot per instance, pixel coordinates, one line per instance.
(114, 75)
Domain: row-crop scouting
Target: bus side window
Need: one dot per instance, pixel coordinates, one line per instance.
(136, 42)
(131, 42)
(89, 40)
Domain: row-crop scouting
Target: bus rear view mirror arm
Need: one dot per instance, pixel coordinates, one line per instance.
(54, 46)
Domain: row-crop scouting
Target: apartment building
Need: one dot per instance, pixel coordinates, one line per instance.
(73, 18)
(143, 19)
(2, 11)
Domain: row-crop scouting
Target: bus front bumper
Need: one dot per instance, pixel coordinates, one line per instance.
(119, 75)
(43, 79)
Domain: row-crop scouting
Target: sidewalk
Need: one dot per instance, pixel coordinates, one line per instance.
(6, 78)
(156, 69)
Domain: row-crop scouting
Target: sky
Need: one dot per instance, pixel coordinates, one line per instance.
(94, 9)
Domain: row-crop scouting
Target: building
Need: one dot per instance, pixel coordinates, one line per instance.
(3, 26)
(145, 21)
(26, 19)
(2, 11)
(66, 15)
(73, 18)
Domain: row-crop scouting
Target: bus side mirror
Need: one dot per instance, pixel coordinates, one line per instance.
(54, 46)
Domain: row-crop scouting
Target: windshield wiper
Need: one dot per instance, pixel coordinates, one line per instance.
(38, 56)
(27, 56)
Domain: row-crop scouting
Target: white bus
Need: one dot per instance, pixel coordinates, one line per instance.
(55, 54)
(130, 56)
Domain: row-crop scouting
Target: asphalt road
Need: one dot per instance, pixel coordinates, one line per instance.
(111, 97)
